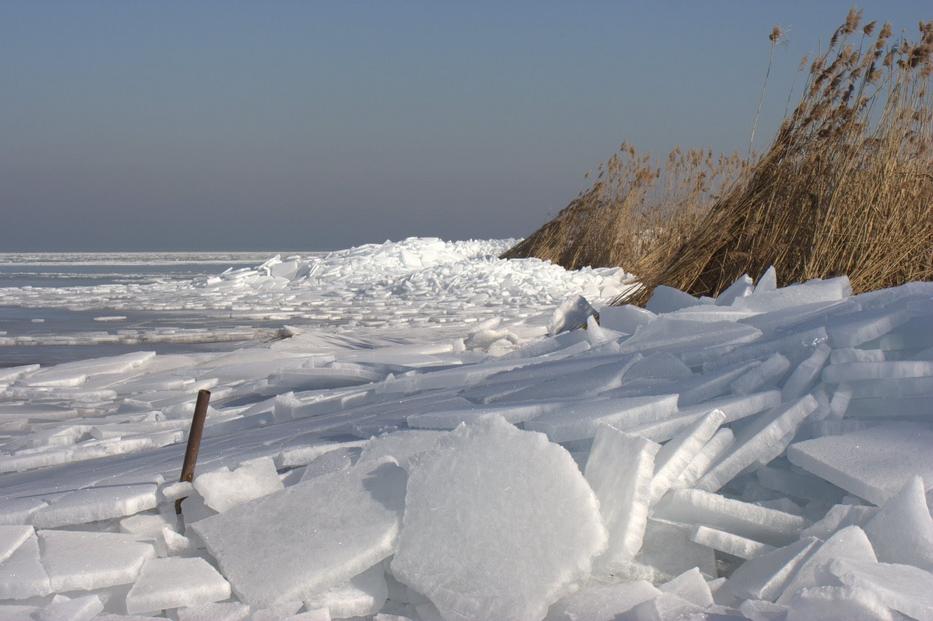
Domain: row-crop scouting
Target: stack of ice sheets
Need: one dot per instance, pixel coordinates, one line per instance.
(766, 455)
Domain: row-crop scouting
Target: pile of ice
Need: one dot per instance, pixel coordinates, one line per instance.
(765, 455)
(415, 281)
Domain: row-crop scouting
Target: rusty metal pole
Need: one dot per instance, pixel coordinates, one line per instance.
(194, 441)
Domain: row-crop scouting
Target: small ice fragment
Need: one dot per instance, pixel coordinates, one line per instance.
(571, 314)
(223, 489)
(691, 586)
(362, 596)
(175, 582)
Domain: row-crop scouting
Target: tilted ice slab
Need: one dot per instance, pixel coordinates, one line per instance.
(86, 561)
(499, 523)
(620, 469)
(308, 537)
(175, 582)
(902, 530)
(91, 505)
(874, 463)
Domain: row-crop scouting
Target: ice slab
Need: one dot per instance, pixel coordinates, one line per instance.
(307, 545)
(87, 561)
(849, 543)
(693, 506)
(75, 373)
(579, 421)
(674, 335)
(625, 318)
(665, 607)
(175, 582)
(666, 299)
(761, 442)
(691, 586)
(677, 454)
(904, 588)
(94, 504)
(362, 596)
(602, 602)
(837, 518)
(572, 313)
(461, 543)
(742, 287)
(19, 510)
(765, 576)
(829, 603)
(215, 611)
(810, 292)
(807, 373)
(22, 575)
(902, 530)
(711, 452)
(402, 446)
(668, 551)
(620, 469)
(62, 608)
(764, 375)
(890, 369)
(741, 547)
(874, 463)
(11, 538)
(223, 489)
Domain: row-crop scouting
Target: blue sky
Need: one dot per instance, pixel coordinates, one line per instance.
(315, 125)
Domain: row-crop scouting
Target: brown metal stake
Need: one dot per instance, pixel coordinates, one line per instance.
(194, 441)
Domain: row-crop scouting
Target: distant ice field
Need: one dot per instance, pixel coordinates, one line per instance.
(58, 307)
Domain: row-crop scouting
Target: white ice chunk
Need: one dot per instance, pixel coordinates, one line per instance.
(673, 335)
(87, 561)
(765, 375)
(580, 420)
(666, 299)
(902, 530)
(216, 611)
(668, 550)
(693, 506)
(94, 504)
(837, 518)
(765, 576)
(761, 442)
(223, 489)
(806, 374)
(22, 575)
(691, 586)
(19, 510)
(625, 318)
(175, 582)
(904, 588)
(677, 454)
(830, 603)
(730, 543)
(711, 452)
(11, 538)
(742, 287)
(499, 523)
(402, 446)
(309, 537)
(873, 464)
(62, 608)
(571, 314)
(849, 543)
(602, 602)
(363, 595)
(620, 468)
(812, 291)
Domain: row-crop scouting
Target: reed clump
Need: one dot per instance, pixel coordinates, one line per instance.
(846, 187)
(635, 205)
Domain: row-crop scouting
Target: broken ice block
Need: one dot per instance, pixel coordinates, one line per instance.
(693, 506)
(666, 299)
(222, 489)
(730, 543)
(307, 545)
(175, 582)
(97, 503)
(711, 452)
(602, 602)
(849, 543)
(362, 596)
(668, 551)
(87, 561)
(680, 451)
(829, 603)
(902, 530)
(11, 538)
(765, 576)
(62, 608)
(764, 375)
(620, 468)
(761, 442)
(499, 523)
(579, 421)
(807, 373)
(873, 464)
(904, 588)
(571, 314)
(22, 575)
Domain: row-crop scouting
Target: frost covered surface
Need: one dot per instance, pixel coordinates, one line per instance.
(437, 454)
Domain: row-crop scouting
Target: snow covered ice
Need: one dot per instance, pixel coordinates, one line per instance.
(447, 435)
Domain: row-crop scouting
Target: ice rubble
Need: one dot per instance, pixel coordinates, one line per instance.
(763, 455)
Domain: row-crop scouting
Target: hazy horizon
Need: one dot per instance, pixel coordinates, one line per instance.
(248, 127)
